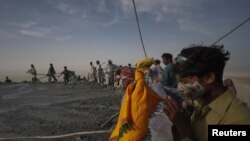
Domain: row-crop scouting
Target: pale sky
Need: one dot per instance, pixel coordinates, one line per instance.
(74, 32)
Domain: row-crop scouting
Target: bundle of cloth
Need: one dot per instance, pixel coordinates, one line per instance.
(139, 104)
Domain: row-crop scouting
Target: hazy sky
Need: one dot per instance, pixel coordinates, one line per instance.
(75, 32)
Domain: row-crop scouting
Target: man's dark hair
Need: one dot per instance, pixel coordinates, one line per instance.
(97, 62)
(167, 56)
(201, 60)
(110, 62)
(157, 61)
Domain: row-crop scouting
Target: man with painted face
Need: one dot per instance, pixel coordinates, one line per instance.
(200, 71)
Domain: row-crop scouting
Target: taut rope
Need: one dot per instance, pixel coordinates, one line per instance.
(139, 29)
(224, 36)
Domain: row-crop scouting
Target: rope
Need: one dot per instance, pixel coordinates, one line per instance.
(139, 29)
(111, 118)
(41, 74)
(42, 77)
(58, 136)
(224, 36)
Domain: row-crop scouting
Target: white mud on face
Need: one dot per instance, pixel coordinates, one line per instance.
(55, 109)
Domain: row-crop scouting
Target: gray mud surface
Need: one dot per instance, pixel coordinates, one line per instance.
(55, 109)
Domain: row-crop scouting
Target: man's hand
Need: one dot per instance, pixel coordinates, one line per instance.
(179, 117)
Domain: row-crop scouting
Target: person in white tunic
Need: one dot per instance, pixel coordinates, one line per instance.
(34, 73)
(92, 73)
(99, 72)
(109, 73)
(156, 72)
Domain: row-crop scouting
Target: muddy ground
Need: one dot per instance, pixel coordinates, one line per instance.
(54, 109)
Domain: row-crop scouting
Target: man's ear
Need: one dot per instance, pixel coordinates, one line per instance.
(210, 78)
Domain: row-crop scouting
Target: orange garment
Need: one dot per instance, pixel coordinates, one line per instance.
(139, 103)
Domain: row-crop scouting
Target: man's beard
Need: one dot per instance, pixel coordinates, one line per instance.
(194, 91)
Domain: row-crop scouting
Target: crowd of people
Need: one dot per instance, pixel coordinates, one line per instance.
(111, 75)
(68, 75)
(119, 76)
(193, 92)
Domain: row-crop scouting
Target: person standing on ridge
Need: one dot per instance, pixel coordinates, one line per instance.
(66, 75)
(99, 72)
(92, 73)
(33, 72)
(51, 73)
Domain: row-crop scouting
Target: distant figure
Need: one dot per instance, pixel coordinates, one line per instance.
(66, 75)
(168, 77)
(92, 73)
(84, 78)
(8, 81)
(72, 76)
(79, 78)
(33, 72)
(99, 72)
(127, 75)
(130, 66)
(117, 77)
(51, 73)
(156, 72)
(109, 73)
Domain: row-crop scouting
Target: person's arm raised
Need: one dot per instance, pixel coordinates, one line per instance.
(179, 117)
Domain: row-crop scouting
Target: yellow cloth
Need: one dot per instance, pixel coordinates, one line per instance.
(226, 109)
(138, 104)
(144, 64)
